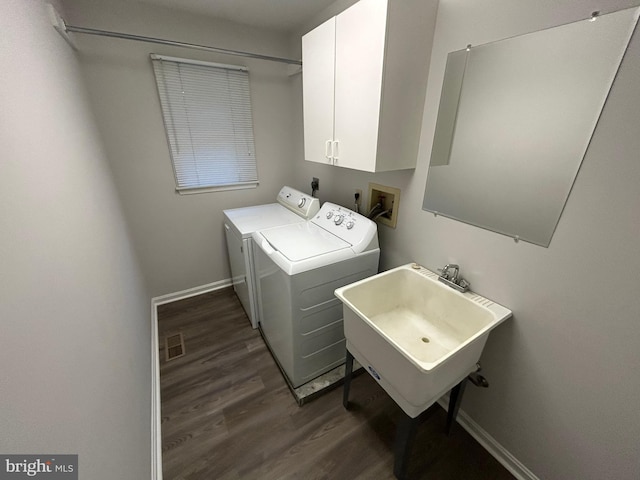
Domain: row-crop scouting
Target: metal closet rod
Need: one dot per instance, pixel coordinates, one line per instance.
(161, 41)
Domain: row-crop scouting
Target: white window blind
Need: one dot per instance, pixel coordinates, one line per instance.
(207, 115)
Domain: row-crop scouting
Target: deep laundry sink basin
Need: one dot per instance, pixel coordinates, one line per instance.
(416, 336)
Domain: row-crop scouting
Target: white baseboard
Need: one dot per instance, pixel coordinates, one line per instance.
(490, 444)
(191, 292)
(156, 414)
(156, 418)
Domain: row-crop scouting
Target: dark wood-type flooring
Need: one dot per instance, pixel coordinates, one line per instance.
(227, 413)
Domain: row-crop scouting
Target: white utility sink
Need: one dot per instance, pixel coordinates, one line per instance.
(416, 336)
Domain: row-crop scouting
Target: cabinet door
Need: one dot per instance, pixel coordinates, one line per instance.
(360, 41)
(318, 71)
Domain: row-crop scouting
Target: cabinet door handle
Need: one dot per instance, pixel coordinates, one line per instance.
(334, 151)
(327, 145)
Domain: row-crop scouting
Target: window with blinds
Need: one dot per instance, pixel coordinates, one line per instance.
(207, 115)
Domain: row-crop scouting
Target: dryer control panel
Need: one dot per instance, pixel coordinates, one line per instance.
(298, 202)
(350, 226)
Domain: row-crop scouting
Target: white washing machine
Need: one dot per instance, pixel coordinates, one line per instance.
(298, 267)
(239, 224)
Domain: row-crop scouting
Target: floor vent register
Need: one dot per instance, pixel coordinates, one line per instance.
(174, 346)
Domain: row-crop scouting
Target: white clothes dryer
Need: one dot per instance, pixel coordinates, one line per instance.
(298, 268)
(292, 206)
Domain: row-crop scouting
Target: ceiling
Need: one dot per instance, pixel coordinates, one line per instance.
(283, 15)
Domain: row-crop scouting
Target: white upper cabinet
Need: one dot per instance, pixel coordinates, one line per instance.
(318, 78)
(360, 35)
(364, 82)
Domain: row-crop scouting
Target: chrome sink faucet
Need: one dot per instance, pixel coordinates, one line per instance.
(445, 272)
(450, 275)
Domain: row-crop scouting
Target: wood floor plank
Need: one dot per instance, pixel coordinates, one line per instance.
(227, 413)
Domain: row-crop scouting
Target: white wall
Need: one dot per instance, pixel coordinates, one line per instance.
(74, 311)
(564, 388)
(179, 238)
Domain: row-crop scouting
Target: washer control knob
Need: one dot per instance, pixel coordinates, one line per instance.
(329, 215)
(338, 219)
(350, 225)
(301, 202)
